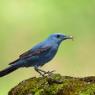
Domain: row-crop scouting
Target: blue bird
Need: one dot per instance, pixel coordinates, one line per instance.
(39, 55)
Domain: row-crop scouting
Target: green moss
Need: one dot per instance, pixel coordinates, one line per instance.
(88, 90)
(55, 85)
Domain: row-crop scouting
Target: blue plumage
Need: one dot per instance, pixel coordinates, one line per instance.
(38, 55)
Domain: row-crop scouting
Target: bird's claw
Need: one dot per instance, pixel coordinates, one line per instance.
(44, 73)
(48, 73)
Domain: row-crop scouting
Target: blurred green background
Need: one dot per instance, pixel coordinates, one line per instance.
(23, 23)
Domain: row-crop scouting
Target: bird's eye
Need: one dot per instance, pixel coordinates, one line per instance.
(58, 36)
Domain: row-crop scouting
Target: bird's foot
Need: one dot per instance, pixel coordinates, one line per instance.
(49, 72)
(44, 73)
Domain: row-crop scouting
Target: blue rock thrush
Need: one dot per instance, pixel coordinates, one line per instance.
(39, 55)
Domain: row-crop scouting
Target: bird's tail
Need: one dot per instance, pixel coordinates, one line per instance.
(8, 70)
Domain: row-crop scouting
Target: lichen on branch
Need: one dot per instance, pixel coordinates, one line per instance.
(55, 85)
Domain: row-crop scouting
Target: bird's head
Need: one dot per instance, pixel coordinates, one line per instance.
(58, 37)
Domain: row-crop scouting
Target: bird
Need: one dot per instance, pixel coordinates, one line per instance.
(38, 55)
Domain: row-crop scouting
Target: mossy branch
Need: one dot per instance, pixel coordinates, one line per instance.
(55, 85)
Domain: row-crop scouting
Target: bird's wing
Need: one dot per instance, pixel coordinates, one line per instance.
(35, 52)
(30, 53)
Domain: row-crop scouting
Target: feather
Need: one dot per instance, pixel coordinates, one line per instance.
(31, 53)
(35, 52)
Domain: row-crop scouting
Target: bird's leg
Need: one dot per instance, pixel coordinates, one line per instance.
(39, 71)
(50, 72)
(42, 72)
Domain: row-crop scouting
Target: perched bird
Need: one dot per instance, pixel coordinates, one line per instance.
(38, 55)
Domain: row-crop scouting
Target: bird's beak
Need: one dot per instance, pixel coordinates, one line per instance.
(68, 37)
